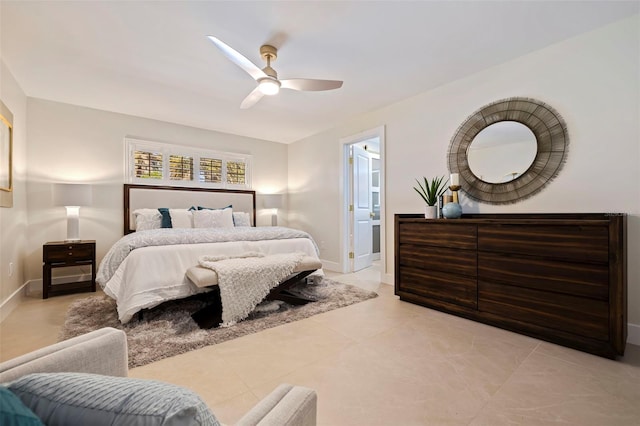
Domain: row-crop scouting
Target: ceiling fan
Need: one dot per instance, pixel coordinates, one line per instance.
(267, 78)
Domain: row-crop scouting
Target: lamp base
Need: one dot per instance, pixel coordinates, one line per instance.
(73, 223)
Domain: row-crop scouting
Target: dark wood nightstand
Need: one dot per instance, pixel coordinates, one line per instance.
(59, 254)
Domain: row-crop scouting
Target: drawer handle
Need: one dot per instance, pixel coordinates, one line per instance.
(70, 254)
(70, 247)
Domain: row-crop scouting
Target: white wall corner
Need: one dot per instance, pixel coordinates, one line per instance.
(331, 266)
(633, 334)
(35, 286)
(387, 279)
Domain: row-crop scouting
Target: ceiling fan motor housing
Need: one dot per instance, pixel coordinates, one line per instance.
(269, 53)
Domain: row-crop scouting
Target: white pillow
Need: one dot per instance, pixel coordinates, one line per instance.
(147, 219)
(213, 218)
(241, 219)
(181, 218)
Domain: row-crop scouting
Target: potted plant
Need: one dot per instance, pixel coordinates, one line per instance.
(430, 192)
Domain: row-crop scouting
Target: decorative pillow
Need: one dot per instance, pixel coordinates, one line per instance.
(176, 218)
(13, 412)
(92, 399)
(241, 219)
(147, 219)
(181, 218)
(166, 218)
(213, 218)
(230, 206)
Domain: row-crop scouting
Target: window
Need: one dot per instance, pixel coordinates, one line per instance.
(210, 170)
(158, 163)
(180, 167)
(147, 165)
(235, 172)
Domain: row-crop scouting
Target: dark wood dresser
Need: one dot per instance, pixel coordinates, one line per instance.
(557, 277)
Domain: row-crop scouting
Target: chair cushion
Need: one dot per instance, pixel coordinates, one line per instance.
(13, 412)
(92, 399)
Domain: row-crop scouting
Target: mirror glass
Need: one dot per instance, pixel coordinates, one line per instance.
(502, 152)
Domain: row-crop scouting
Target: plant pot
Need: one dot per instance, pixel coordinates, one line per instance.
(430, 212)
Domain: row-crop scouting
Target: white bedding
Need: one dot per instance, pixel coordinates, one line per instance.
(151, 275)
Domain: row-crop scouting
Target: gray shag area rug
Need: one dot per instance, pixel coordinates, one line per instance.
(169, 330)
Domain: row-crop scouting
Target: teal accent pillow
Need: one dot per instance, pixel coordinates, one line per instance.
(92, 399)
(13, 412)
(230, 206)
(165, 222)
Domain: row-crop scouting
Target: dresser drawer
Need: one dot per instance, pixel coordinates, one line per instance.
(579, 243)
(442, 259)
(577, 315)
(67, 252)
(579, 279)
(439, 234)
(448, 287)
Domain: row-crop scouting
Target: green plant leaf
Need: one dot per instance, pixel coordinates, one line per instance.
(430, 191)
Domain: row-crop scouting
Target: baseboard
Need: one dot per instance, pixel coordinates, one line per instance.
(633, 334)
(331, 266)
(12, 302)
(387, 279)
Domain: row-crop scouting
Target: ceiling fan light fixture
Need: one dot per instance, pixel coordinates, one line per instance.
(269, 86)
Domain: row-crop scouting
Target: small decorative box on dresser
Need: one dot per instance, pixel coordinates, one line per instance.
(557, 277)
(59, 254)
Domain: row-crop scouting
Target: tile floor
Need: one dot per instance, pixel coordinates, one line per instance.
(385, 362)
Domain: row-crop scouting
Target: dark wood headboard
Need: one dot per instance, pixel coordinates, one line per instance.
(152, 197)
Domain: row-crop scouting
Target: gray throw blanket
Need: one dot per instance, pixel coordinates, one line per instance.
(245, 281)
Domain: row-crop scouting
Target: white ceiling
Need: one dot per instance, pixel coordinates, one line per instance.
(151, 59)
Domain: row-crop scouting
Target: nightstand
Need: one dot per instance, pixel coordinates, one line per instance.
(60, 254)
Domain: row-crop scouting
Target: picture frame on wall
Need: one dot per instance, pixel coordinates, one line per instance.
(6, 156)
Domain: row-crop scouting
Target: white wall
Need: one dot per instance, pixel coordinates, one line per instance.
(72, 143)
(13, 221)
(592, 80)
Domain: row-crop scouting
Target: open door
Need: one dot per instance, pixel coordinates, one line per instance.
(362, 208)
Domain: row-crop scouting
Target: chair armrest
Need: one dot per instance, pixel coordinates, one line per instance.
(102, 351)
(287, 405)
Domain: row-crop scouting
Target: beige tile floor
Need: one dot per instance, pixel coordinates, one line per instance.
(385, 362)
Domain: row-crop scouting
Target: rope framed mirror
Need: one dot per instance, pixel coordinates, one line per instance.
(551, 150)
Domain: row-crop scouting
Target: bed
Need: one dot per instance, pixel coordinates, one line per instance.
(148, 265)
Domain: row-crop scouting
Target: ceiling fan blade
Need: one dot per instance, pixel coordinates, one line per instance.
(238, 59)
(306, 84)
(252, 98)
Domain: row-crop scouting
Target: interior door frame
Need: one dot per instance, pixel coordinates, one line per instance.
(347, 218)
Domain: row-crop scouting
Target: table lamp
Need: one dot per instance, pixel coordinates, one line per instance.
(273, 202)
(72, 196)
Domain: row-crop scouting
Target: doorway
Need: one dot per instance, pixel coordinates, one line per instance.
(363, 206)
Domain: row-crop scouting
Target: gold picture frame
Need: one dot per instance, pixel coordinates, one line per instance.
(6, 156)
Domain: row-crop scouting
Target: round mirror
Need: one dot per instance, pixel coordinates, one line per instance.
(502, 152)
(504, 180)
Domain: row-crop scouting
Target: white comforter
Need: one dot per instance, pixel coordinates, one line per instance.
(151, 273)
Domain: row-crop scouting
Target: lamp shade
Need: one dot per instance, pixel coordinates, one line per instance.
(272, 201)
(71, 194)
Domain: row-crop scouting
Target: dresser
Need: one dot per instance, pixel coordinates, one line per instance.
(556, 277)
